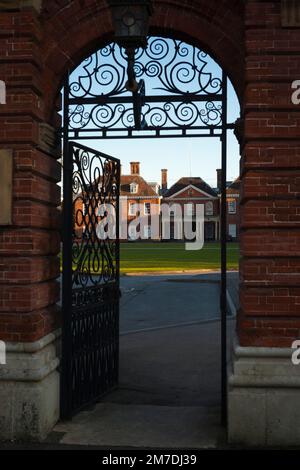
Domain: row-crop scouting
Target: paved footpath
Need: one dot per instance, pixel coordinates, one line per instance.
(159, 301)
(169, 394)
(169, 388)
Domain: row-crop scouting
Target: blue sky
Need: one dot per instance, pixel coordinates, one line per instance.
(181, 156)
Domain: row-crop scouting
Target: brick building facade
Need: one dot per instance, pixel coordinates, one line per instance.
(233, 210)
(192, 191)
(141, 202)
(257, 42)
(189, 192)
(139, 198)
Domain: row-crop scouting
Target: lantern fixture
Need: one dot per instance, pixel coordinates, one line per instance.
(131, 23)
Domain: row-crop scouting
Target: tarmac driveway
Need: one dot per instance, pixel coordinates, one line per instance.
(170, 368)
(158, 301)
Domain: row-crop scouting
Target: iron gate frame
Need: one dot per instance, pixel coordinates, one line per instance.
(103, 134)
(76, 303)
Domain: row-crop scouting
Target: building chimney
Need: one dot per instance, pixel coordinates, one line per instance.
(164, 180)
(134, 168)
(219, 179)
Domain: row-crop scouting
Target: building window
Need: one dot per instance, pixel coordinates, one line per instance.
(147, 232)
(132, 209)
(132, 233)
(209, 231)
(101, 189)
(232, 207)
(209, 208)
(232, 230)
(134, 188)
(147, 208)
(190, 209)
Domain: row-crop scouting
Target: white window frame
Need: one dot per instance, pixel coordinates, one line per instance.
(147, 232)
(133, 229)
(145, 205)
(209, 211)
(133, 188)
(190, 209)
(230, 226)
(132, 209)
(232, 210)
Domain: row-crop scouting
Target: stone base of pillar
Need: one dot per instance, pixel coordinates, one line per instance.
(263, 397)
(29, 389)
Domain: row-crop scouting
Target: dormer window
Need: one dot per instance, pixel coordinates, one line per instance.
(134, 188)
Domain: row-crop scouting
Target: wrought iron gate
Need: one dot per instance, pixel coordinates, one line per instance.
(187, 98)
(90, 276)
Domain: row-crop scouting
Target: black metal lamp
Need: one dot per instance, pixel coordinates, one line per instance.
(131, 23)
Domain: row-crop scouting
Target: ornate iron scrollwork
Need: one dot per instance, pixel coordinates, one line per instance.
(95, 184)
(91, 278)
(184, 91)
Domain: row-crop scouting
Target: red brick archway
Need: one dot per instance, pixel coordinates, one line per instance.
(46, 43)
(38, 43)
(73, 32)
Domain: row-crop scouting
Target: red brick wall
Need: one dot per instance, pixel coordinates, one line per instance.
(28, 262)
(36, 51)
(270, 216)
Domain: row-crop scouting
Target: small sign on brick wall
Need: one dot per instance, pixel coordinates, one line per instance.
(6, 176)
(290, 13)
(15, 4)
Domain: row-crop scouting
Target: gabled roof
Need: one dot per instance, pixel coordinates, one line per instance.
(185, 182)
(235, 184)
(144, 189)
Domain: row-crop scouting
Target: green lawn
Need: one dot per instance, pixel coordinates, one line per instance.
(143, 257)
